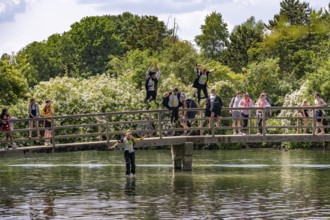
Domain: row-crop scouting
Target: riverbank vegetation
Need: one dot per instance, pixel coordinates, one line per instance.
(99, 65)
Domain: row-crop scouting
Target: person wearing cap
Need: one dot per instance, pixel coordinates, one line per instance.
(246, 102)
(151, 83)
(129, 143)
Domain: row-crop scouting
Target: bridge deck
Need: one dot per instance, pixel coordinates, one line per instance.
(203, 139)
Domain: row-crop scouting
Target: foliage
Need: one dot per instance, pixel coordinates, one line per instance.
(296, 13)
(214, 36)
(13, 84)
(242, 38)
(266, 75)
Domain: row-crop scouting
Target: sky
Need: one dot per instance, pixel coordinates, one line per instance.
(25, 21)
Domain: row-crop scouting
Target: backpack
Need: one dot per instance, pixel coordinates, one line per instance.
(167, 98)
(191, 104)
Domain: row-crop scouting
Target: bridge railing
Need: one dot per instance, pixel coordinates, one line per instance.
(106, 127)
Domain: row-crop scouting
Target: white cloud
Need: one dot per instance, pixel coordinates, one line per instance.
(25, 21)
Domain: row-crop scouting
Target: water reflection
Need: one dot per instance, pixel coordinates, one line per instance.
(130, 186)
(223, 185)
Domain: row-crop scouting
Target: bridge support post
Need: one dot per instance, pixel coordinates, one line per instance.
(182, 156)
(177, 156)
(187, 156)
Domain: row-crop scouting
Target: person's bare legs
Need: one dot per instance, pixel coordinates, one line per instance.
(211, 119)
(37, 127)
(30, 127)
(305, 125)
(217, 119)
(234, 126)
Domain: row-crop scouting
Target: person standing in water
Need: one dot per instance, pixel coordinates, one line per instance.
(129, 153)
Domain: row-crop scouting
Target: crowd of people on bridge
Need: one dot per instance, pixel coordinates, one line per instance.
(176, 99)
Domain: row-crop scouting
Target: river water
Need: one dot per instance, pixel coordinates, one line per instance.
(242, 184)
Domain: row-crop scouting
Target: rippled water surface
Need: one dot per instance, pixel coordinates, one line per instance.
(246, 184)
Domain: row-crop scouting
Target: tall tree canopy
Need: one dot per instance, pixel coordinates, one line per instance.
(294, 11)
(242, 38)
(214, 36)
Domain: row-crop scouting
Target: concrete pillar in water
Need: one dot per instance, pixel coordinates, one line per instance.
(187, 156)
(182, 156)
(177, 156)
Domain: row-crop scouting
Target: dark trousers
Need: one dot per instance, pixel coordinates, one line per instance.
(130, 162)
(199, 89)
(174, 114)
(260, 122)
(150, 96)
(245, 121)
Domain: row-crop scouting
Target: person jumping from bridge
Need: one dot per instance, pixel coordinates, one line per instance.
(151, 83)
(129, 141)
(171, 100)
(202, 76)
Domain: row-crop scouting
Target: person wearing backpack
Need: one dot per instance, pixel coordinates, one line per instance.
(200, 83)
(236, 114)
(151, 83)
(213, 108)
(187, 103)
(47, 112)
(34, 112)
(171, 100)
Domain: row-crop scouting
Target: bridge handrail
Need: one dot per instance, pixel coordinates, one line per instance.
(103, 122)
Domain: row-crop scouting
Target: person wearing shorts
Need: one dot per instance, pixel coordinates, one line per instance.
(236, 114)
(213, 108)
(47, 112)
(319, 102)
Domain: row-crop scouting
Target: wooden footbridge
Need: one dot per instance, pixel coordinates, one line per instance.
(100, 131)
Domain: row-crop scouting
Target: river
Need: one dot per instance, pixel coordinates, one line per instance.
(237, 184)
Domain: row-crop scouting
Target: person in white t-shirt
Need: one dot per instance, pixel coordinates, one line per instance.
(236, 114)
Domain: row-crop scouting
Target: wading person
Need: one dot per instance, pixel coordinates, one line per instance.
(262, 103)
(34, 112)
(151, 83)
(47, 112)
(246, 102)
(319, 102)
(202, 77)
(236, 114)
(213, 108)
(129, 154)
(6, 126)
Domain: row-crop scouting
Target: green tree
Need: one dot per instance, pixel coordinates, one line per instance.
(93, 41)
(294, 11)
(266, 75)
(13, 85)
(214, 36)
(242, 38)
